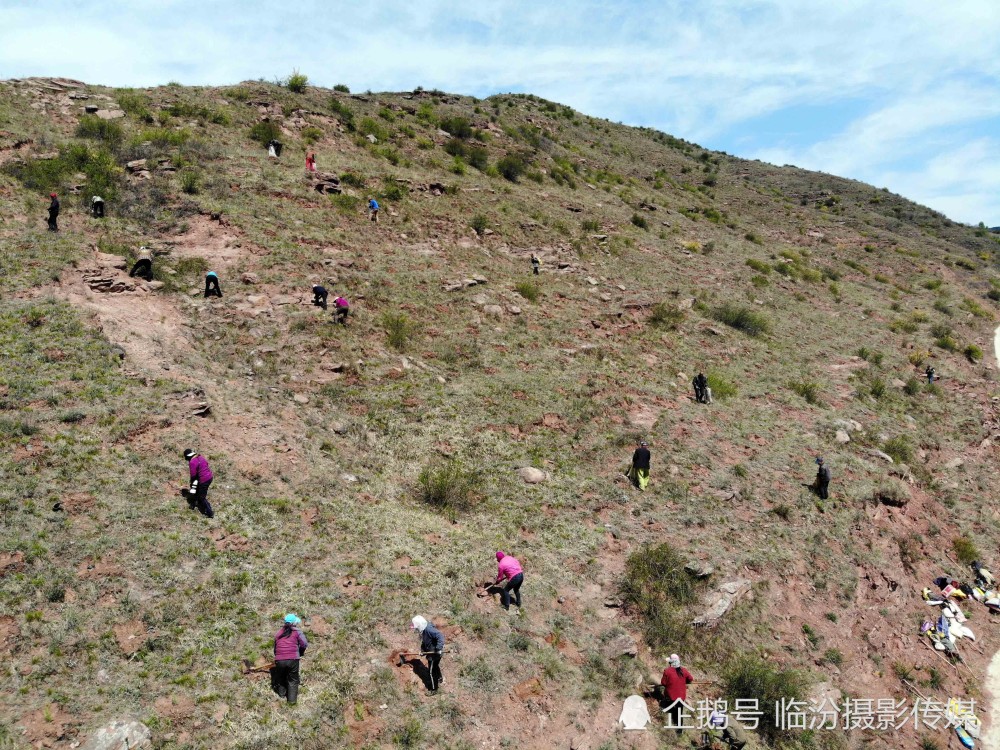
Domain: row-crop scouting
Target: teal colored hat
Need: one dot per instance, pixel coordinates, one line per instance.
(292, 619)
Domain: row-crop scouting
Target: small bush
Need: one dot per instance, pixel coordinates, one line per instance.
(807, 389)
(973, 353)
(264, 132)
(347, 204)
(457, 126)
(135, 105)
(311, 134)
(759, 281)
(394, 190)
(398, 329)
(947, 343)
(751, 677)
(342, 112)
(479, 223)
(455, 147)
(657, 587)
(900, 448)
(743, 319)
(449, 486)
(477, 157)
(891, 492)
(590, 225)
(912, 387)
(342, 88)
(512, 166)
(754, 238)
(965, 550)
(368, 126)
(640, 221)
(353, 179)
(759, 266)
(721, 387)
(666, 316)
(108, 132)
(782, 511)
(297, 82)
(190, 181)
(528, 290)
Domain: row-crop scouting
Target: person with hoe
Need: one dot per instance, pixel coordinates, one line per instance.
(675, 680)
(290, 646)
(319, 296)
(341, 308)
(431, 646)
(510, 570)
(638, 473)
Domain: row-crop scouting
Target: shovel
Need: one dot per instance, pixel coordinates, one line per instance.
(250, 669)
(404, 655)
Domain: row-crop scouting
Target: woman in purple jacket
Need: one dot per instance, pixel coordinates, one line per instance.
(289, 646)
(201, 478)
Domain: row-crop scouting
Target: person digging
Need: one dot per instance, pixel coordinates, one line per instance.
(319, 296)
(341, 309)
(509, 570)
(431, 646)
(638, 473)
(143, 266)
(201, 480)
(290, 646)
(675, 681)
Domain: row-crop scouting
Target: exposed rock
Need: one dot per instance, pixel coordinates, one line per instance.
(155, 285)
(136, 166)
(699, 569)
(842, 436)
(250, 278)
(620, 645)
(493, 310)
(513, 309)
(722, 601)
(300, 398)
(954, 463)
(120, 735)
(876, 453)
(339, 427)
(847, 424)
(90, 109)
(531, 475)
(592, 281)
(371, 138)
(110, 114)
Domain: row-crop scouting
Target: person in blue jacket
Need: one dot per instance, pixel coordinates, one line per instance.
(432, 646)
(212, 284)
(373, 209)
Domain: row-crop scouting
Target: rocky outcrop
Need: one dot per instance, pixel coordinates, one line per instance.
(723, 600)
(120, 735)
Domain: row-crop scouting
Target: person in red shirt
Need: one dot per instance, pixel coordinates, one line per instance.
(675, 681)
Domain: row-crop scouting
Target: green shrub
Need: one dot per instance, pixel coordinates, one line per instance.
(973, 353)
(590, 225)
(108, 132)
(900, 448)
(639, 221)
(342, 88)
(190, 181)
(666, 316)
(807, 389)
(743, 319)
(342, 112)
(103, 175)
(455, 147)
(165, 137)
(394, 190)
(477, 157)
(449, 486)
(297, 82)
(528, 290)
(759, 266)
(759, 281)
(750, 677)
(754, 238)
(965, 550)
(264, 132)
(368, 126)
(457, 126)
(912, 387)
(135, 105)
(399, 329)
(353, 179)
(722, 388)
(457, 166)
(410, 735)
(311, 134)
(947, 343)
(512, 166)
(658, 588)
(345, 203)
(833, 656)
(479, 223)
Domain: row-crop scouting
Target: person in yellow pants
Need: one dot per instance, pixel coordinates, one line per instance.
(639, 471)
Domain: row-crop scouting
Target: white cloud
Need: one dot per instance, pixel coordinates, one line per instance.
(701, 70)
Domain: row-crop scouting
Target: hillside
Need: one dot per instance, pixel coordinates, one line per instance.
(368, 473)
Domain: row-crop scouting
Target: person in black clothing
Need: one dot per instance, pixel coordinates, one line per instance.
(639, 471)
(319, 296)
(535, 264)
(432, 646)
(97, 207)
(822, 479)
(54, 213)
(929, 372)
(212, 284)
(143, 267)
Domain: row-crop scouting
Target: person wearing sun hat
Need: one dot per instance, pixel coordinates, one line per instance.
(675, 680)
(290, 646)
(432, 646)
(201, 480)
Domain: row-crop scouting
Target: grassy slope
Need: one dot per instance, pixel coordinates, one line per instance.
(365, 556)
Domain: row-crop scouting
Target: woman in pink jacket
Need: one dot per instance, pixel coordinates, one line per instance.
(509, 569)
(290, 645)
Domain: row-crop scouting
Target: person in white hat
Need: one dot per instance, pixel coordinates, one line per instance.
(675, 681)
(432, 646)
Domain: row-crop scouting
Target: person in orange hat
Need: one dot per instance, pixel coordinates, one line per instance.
(53, 213)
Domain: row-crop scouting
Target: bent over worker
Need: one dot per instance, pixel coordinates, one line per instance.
(432, 646)
(143, 266)
(290, 646)
(639, 471)
(510, 570)
(212, 287)
(201, 480)
(319, 296)
(341, 309)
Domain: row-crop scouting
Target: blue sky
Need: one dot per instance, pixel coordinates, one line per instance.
(904, 95)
